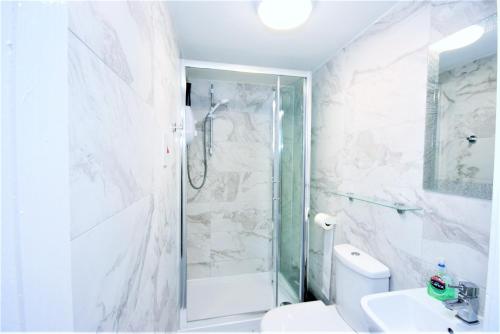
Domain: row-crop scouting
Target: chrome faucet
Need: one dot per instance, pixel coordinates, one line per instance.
(467, 303)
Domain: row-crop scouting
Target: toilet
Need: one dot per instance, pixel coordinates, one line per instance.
(357, 274)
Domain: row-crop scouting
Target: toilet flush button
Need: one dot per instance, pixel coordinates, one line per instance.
(355, 254)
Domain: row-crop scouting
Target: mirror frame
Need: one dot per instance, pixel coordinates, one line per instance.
(430, 181)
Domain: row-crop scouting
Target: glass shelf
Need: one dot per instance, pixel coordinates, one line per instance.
(399, 207)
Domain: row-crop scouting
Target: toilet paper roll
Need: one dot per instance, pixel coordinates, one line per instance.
(325, 221)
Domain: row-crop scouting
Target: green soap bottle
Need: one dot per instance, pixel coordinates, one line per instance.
(439, 284)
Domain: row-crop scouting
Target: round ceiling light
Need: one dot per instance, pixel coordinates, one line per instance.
(459, 39)
(284, 14)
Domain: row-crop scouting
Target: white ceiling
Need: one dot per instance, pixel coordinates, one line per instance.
(231, 32)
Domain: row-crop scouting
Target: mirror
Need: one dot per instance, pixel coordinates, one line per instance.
(461, 106)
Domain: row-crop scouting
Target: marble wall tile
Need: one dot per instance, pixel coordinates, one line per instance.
(108, 136)
(235, 202)
(368, 138)
(123, 277)
(124, 189)
(198, 270)
(97, 305)
(243, 97)
(123, 40)
(199, 247)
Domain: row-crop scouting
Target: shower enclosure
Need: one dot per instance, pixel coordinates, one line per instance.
(244, 231)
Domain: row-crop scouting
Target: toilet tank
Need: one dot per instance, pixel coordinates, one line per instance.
(357, 274)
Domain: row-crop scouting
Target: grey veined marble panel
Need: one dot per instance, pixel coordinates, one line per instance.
(368, 136)
(124, 96)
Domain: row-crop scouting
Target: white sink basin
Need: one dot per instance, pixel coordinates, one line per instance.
(411, 311)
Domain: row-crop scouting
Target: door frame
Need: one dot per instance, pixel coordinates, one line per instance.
(182, 240)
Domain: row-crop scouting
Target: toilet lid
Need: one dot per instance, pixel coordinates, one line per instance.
(304, 317)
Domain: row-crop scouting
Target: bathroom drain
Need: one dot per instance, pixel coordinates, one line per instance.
(285, 303)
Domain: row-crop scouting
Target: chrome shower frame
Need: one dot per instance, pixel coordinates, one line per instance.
(182, 237)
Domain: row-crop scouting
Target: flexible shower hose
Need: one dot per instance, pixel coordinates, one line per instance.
(205, 164)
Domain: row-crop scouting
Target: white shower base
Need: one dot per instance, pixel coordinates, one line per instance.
(226, 296)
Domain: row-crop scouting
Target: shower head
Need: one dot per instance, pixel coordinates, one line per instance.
(218, 104)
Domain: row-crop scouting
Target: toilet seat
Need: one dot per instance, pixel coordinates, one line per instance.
(304, 317)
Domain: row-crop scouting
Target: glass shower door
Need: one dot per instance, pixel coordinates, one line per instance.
(228, 226)
(289, 185)
(242, 231)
